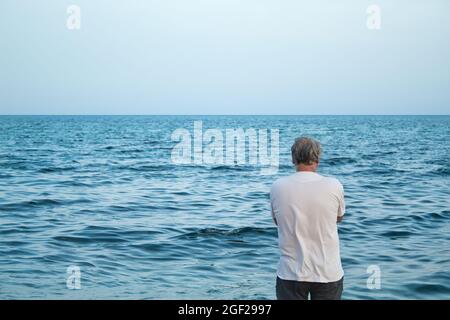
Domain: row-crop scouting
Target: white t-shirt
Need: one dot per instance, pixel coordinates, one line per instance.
(305, 206)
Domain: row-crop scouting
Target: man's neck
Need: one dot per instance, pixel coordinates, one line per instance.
(306, 168)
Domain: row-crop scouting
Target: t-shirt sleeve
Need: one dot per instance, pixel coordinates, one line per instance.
(341, 210)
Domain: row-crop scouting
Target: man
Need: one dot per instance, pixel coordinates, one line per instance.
(306, 208)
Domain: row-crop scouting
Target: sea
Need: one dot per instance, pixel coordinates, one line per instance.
(95, 207)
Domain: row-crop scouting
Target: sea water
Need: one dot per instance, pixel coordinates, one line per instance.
(101, 195)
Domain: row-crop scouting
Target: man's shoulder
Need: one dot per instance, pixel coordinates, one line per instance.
(281, 181)
(289, 179)
(332, 182)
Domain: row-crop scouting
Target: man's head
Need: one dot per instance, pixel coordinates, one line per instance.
(306, 154)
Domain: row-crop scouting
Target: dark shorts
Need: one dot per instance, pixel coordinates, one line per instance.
(299, 290)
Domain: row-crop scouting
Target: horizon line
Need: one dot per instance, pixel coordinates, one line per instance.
(221, 115)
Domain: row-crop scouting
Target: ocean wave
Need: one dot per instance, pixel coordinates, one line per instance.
(229, 168)
(99, 238)
(427, 288)
(397, 234)
(224, 233)
(56, 169)
(442, 171)
(338, 161)
(38, 203)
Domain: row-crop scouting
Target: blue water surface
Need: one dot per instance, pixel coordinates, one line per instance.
(101, 193)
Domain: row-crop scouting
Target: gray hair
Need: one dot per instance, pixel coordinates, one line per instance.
(306, 150)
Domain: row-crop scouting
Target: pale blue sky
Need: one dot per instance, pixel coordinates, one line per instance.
(224, 57)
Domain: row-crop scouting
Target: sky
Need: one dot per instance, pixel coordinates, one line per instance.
(224, 57)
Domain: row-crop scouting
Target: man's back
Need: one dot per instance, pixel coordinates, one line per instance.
(305, 206)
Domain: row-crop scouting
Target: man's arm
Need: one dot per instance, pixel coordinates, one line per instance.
(341, 210)
(271, 195)
(273, 215)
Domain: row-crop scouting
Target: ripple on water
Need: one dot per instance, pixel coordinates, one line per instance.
(98, 239)
(397, 234)
(225, 233)
(436, 289)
